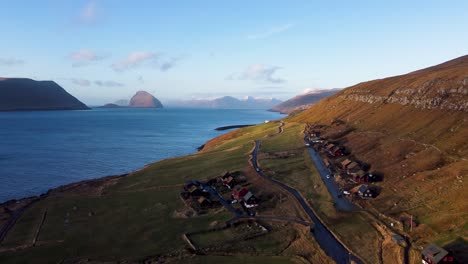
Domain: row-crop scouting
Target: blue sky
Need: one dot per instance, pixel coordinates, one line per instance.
(104, 50)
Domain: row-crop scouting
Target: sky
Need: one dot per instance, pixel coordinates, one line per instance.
(103, 50)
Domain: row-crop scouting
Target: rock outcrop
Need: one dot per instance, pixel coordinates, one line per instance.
(144, 99)
(443, 86)
(20, 94)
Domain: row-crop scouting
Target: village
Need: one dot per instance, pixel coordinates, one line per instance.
(356, 180)
(230, 190)
(352, 176)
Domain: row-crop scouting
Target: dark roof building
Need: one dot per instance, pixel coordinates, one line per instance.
(365, 192)
(345, 163)
(432, 254)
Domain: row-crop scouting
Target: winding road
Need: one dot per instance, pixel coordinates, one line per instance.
(324, 237)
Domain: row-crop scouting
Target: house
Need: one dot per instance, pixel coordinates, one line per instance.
(432, 254)
(365, 192)
(345, 163)
(195, 191)
(203, 201)
(336, 151)
(252, 201)
(239, 194)
(329, 146)
(229, 182)
(353, 168)
(360, 176)
(333, 150)
(249, 200)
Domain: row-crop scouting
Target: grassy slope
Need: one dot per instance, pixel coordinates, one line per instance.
(421, 152)
(135, 217)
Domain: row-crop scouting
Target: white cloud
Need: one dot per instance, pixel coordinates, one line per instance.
(11, 61)
(135, 59)
(166, 65)
(271, 31)
(89, 13)
(81, 82)
(146, 58)
(108, 84)
(84, 57)
(258, 72)
(87, 83)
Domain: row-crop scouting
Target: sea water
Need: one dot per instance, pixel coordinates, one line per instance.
(45, 149)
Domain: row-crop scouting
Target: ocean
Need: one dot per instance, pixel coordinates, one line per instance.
(45, 149)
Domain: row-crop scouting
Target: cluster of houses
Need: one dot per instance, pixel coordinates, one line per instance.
(356, 174)
(239, 194)
(197, 197)
(351, 170)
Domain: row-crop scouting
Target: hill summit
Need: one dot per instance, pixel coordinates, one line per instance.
(144, 99)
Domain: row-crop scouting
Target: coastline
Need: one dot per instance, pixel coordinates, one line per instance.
(11, 210)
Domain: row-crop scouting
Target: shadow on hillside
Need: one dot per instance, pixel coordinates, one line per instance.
(459, 248)
(377, 176)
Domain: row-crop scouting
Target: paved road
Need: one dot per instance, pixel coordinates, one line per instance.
(324, 237)
(341, 203)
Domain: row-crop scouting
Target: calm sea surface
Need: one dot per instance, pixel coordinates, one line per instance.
(43, 150)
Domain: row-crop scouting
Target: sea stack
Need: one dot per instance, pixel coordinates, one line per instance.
(144, 99)
(21, 94)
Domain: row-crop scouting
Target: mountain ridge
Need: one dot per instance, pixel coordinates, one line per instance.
(303, 101)
(412, 129)
(23, 94)
(228, 102)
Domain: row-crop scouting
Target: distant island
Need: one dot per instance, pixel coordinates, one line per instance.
(228, 102)
(141, 99)
(21, 94)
